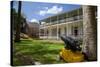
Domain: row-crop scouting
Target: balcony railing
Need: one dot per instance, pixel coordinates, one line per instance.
(64, 20)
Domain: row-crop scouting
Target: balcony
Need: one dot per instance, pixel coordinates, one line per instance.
(64, 20)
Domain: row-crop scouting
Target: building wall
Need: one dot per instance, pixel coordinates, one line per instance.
(65, 29)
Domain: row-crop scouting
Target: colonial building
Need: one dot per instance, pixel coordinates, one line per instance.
(68, 23)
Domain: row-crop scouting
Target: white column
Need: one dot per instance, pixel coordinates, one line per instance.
(67, 29)
(77, 25)
(57, 28)
(69, 26)
(66, 26)
(50, 31)
(39, 31)
(44, 32)
(81, 29)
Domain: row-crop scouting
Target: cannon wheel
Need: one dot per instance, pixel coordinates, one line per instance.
(61, 59)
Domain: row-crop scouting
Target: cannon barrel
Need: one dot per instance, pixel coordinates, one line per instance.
(71, 43)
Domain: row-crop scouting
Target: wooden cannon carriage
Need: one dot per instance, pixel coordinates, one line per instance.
(71, 51)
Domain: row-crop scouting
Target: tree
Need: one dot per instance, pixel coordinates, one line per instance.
(90, 32)
(14, 18)
(18, 27)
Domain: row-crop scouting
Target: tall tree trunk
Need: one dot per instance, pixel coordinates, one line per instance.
(18, 27)
(90, 32)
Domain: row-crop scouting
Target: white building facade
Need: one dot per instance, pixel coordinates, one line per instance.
(68, 23)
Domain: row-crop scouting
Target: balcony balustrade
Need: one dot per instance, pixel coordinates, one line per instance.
(63, 20)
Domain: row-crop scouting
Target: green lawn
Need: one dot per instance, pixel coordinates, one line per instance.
(45, 52)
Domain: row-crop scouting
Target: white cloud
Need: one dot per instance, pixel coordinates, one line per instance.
(42, 12)
(52, 10)
(46, 8)
(34, 20)
(55, 10)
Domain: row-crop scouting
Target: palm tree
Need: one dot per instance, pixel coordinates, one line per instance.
(90, 32)
(17, 35)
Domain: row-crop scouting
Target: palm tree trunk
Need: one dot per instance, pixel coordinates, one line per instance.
(90, 32)
(18, 27)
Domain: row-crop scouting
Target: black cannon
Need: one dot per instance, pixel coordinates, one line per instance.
(71, 43)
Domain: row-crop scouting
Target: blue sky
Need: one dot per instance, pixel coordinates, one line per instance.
(35, 11)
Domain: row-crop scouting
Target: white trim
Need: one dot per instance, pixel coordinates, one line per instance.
(62, 23)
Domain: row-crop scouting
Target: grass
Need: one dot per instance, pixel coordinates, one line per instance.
(45, 52)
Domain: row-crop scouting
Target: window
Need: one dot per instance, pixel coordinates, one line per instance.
(54, 32)
(65, 30)
(75, 31)
(59, 32)
(47, 32)
(41, 32)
